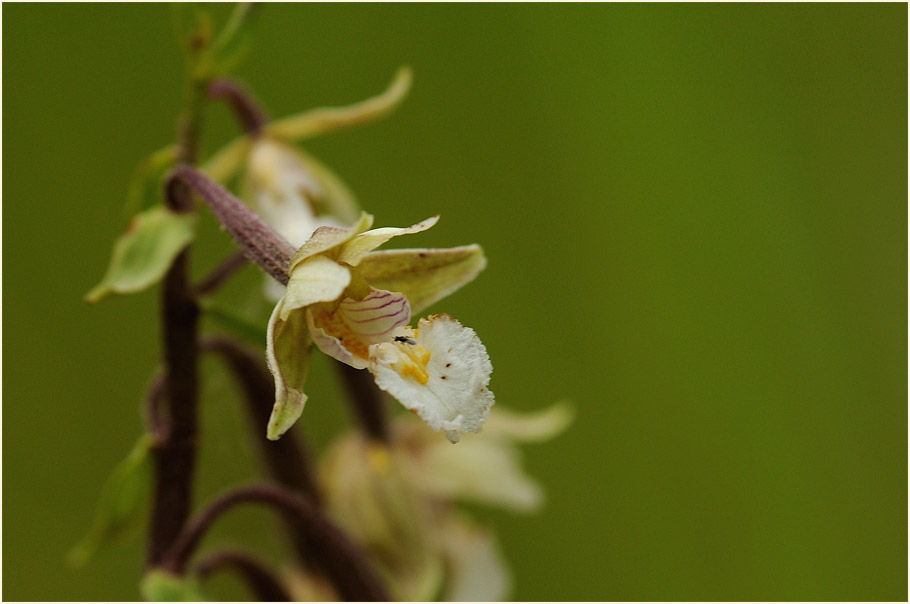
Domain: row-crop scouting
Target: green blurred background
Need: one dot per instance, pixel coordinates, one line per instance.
(696, 221)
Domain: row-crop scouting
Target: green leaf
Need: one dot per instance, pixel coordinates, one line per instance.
(144, 252)
(145, 188)
(119, 507)
(162, 586)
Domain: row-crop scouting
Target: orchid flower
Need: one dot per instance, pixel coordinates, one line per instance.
(355, 305)
(400, 503)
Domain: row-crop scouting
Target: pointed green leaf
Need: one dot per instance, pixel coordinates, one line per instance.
(144, 252)
(424, 276)
(120, 503)
(162, 586)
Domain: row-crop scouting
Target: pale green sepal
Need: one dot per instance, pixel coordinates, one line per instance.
(319, 279)
(328, 119)
(119, 507)
(144, 252)
(531, 426)
(327, 237)
(336, 199)
(145, 187)
(162, 586)
(288, 355)
(424, 276)
(225, 162)
(353, 251)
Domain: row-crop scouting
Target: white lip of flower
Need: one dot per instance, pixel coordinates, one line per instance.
(440, 371)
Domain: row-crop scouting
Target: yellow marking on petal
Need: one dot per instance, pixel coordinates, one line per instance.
(413, 362)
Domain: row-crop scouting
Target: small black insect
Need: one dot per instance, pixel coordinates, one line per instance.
(404, 340)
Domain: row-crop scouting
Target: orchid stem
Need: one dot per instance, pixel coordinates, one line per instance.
(286, 459)
(175, 456)
(256, 239)
(264, 585)
(155, 424)
(248, 112)
(345, 564)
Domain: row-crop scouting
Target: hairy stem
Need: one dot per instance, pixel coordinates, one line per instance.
(248, 112)
(264, 585)
(154, 423)
(174, 457)
(256, 239)
(344, 562)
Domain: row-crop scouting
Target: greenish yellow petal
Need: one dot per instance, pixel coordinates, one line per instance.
(327, 237)
(352, 251)
(531, 426)
(319, 279)
(120, 503)
(288, 356)
(144, 252)
(424, 276)
(328, 119)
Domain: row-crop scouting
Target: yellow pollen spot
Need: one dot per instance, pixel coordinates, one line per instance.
(412, 362)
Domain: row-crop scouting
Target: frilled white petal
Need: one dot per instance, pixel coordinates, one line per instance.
(319, 279)
(476, 571)
(425, 276)
(287, 354)
(353, 250)
(440, 373)
(345, 332)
